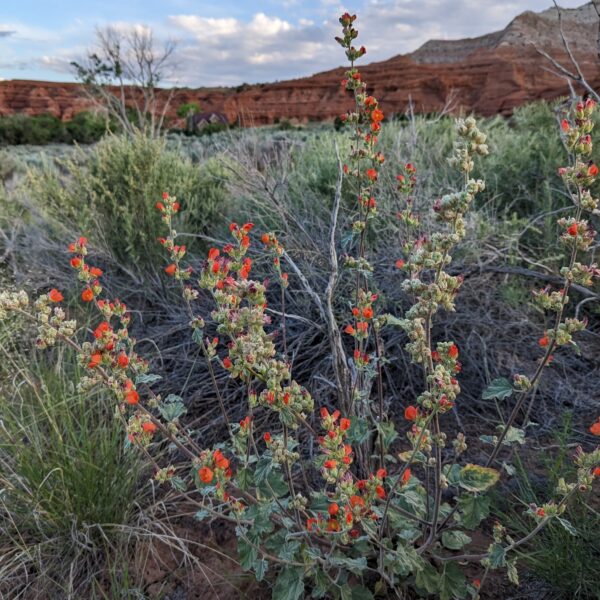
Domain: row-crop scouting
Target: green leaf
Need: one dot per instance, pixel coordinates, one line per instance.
(405, 561)
(172, 408)
(428, 579)
(452, 583)
(452, 473)
(497, 556)
(352, 564)
(178, 484)
(514, 435)
(319, 502)
(455, 540)
(360, 592)
(275, 484)
(388, 432)
(263, 469)
(358, 432)
(567, 525)
(147, 378)
(260, 514)
(260, 568)
(247, 554)
(289, 549)
(289, 584)
(475, 478)
(473, 509)
(499, 388)
(244, 478)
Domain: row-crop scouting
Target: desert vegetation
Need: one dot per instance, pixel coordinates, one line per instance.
(353, 361)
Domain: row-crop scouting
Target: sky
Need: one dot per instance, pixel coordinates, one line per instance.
(229, 42)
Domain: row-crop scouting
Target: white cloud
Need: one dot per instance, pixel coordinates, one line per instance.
(227, 50)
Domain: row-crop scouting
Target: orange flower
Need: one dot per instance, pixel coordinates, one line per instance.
(377, 115)
(544, 341)
(371, 174)
(99, 331)
(333, 509)
(75, 262)
(55, 295)
(87, 295)
(406, 476)
(96, 272)
(344, 424)
(132, 397)
(310, 523)
(160, 206)
(349, 330)
(123, 360)
(213, 253)
(176, 206)
(356, 501)
(399, 263)
(565, 125)
(453, 351)
(367, 313)
(593, 170)
(220, 461)
(149, 427)
(540, 512)
(95, 360)
(206, 474)
(333, 525)
(330, 464)
(572, 230)
(596, 472)
(267, 437)
(410, 413)
(595, 428)
(170, 270)
(227, 362)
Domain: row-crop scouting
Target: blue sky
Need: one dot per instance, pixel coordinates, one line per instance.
(227, 42)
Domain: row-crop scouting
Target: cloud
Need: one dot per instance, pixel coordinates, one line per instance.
(268, 44)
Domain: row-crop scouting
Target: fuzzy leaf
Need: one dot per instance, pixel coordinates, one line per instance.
(455, 540)
(499, 388)
(567, 525)
(497, 556)
(475, 478)
(473, 509)
(358, 432)
(452, 583)
(147, 378)
(289, 584)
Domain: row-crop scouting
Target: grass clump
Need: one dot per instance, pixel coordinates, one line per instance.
(69, 487)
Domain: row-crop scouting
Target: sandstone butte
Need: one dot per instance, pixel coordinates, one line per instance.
(486, 75)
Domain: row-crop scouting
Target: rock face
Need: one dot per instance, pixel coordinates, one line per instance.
(487, 75)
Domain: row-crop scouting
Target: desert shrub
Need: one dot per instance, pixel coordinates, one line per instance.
(349, 502)
(110, 192)
(83, 128)
(87, 128)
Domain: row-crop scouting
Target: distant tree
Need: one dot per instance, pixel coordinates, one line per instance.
(187, 111)
(122, 74)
